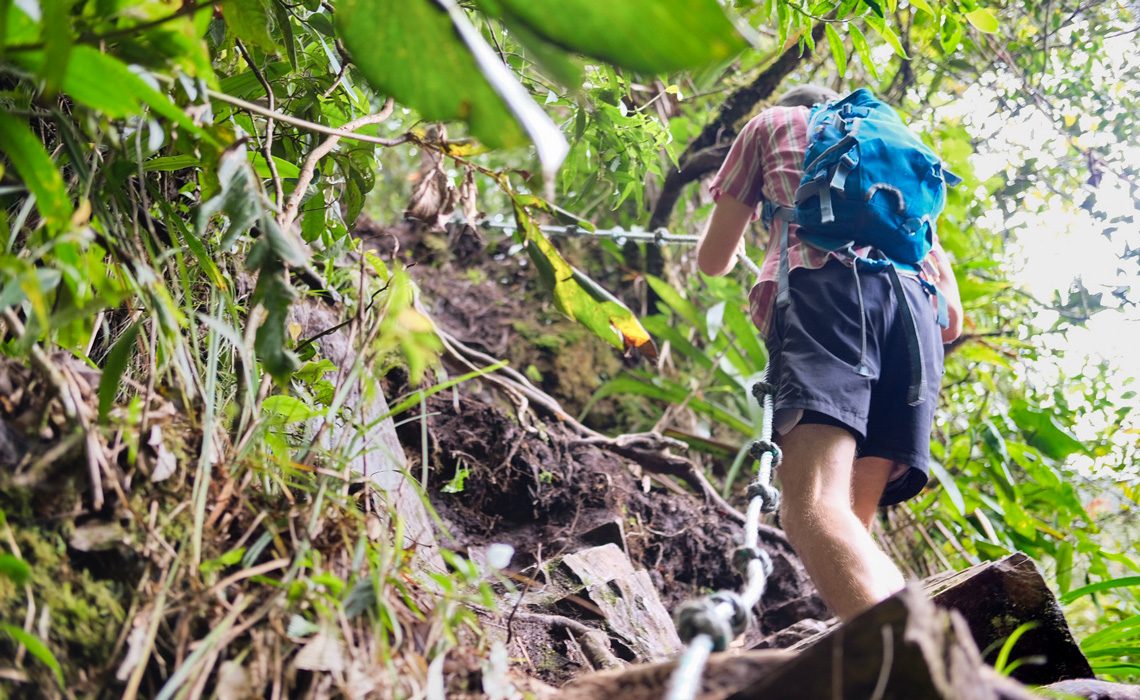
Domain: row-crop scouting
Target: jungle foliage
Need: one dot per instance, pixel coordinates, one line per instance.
(177, 176)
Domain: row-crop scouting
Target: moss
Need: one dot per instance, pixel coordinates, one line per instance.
(86, 613)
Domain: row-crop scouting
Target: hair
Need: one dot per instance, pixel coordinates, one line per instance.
(806, 96)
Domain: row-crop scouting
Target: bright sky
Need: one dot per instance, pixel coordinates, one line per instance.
(1063, 242)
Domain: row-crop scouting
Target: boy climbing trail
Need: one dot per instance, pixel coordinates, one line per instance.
(855, 344)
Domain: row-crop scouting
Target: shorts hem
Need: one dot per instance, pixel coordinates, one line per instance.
(853, 420)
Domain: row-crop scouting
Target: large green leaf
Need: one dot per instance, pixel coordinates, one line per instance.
(104, 83)
(427, 55)
(651, 36)
(1042, 431)
(36, 169)
(578, 296)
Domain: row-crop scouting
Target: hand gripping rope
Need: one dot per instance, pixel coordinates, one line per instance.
(711, 623)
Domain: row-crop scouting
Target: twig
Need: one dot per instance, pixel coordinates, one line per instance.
(308, 168)
(267, 142)
(306, 124)
(594, 642)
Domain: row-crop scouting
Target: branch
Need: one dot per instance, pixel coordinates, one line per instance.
(305, 123)
(308, 168)
(706, 152)
(267, 143)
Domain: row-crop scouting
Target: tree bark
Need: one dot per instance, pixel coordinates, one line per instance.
(707, 151)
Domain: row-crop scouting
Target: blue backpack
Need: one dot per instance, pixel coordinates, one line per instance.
(869, 180)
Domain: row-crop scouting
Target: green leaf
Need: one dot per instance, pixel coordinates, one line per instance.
(578, 296)
(15, 569)
(460, 77)
(36, 169)
(116, 364)
(838, 50)
(983, 20)
(251, 22)
(924, 6)
(949, 485)
(57, 43)
(106, 84)
(648, 36)
(36, 648)
(271, 343)
(285, 169)
(1099, 586)
(285, 410)
(679, 304)
(950, 33)
(882, 29)
(1042, 431)
(863, 49)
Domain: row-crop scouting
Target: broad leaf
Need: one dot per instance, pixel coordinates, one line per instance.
(838, 50)
(983, 20)
(114, 367)
(250, 21)
(427, 55)
(36, 169)
(15, 569)
(650, 36)
(36, 648)
(578, 296)
(1042, 431)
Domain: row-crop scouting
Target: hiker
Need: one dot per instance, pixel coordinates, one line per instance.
(840, 361)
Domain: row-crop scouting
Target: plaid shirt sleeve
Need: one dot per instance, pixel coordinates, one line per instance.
(741, 175)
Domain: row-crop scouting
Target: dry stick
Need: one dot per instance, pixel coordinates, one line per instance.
(267, 142)
(594, 642)
(308, 168)
(308, 125)
(63, 390)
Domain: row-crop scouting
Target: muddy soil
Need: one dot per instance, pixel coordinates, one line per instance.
(537, 487)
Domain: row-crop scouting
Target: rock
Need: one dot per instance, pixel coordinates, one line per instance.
(379, 454)
(625, 598)
(997, 597)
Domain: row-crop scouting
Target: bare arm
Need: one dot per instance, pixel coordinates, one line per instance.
(716, 253)
(948, 285)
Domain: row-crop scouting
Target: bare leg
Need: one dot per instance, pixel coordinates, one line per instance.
(846, 565)
(867, 484)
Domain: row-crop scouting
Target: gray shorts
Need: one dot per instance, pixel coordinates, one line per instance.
(815, 343)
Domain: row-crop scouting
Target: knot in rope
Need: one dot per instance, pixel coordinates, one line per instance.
(769, 496)
(763, 388)
(721, 616)
(743, 556)
(659, 235)
(761, 447)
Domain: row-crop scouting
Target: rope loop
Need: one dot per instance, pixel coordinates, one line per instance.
(768, 495)
(761, 447)
(763, 388)
(744, 555)
(697, 617)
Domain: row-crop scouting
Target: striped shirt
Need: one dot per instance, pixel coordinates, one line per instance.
(766, 163)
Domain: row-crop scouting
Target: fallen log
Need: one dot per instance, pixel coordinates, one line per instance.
(996, 598)
(903, 648)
